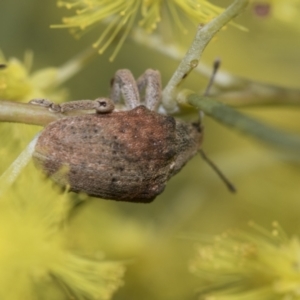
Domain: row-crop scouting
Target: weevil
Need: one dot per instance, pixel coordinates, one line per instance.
(124, 155)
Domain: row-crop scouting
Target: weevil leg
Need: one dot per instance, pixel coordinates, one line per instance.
(46, 103)
(150, 81)
(124, 85)
(101, 105)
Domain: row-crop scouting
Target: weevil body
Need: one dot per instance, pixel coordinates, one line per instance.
(120, 155)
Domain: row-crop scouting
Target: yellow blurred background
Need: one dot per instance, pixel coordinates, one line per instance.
(159, 239)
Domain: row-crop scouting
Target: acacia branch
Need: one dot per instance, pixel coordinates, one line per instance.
(191, 59)
(243, 123)
(11, 111)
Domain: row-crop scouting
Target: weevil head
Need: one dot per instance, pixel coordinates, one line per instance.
(189, 138)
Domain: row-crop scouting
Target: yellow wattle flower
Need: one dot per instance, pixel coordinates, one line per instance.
(241, 265)
(18, 83)
(122, 15)
(34, 251)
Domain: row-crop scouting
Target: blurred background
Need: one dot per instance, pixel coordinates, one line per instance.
(160, 238)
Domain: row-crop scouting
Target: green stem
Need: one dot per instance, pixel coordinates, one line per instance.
(231, 89)
(246, 93)
(14, 170)
(191, 59)
(11, 111)
(231, 117)
(16, 112)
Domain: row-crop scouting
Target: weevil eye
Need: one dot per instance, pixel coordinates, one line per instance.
(104, 105)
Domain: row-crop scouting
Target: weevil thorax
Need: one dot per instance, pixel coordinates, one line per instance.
(125, 156)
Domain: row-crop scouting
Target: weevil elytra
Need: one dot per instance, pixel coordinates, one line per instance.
(126, 155)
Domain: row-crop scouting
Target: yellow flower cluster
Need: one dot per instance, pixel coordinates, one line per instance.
(34, 255)
(239, 265)
(121, 16)
(17, 83)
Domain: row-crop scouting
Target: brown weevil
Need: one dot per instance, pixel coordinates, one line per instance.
(124, 155)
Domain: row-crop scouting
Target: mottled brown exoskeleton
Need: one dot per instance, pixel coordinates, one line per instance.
(125, 155)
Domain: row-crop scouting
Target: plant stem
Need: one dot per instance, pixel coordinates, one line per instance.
(13, 171)
(246, 93)
(231, 117)
(231, 89)
(191, 59)
(11, 111)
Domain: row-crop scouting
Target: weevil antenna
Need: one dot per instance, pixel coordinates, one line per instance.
(216, 67)
(229, 185)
